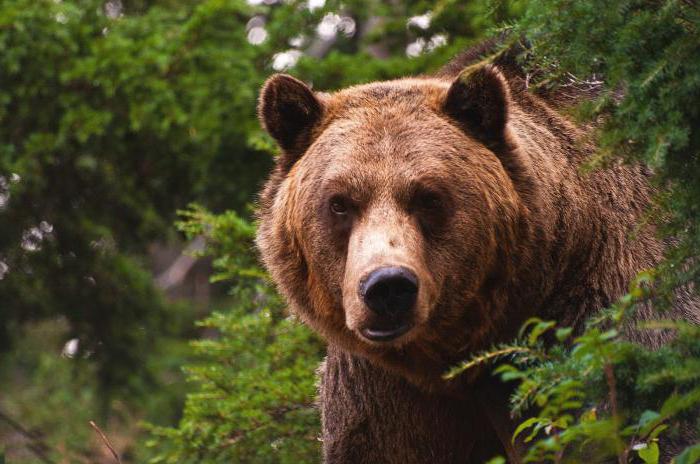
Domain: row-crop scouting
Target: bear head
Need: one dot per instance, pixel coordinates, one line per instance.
(394, 215)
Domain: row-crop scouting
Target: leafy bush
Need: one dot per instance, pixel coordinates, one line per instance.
(645, 52)
(254, 380)
(600, 397)
(109, 123)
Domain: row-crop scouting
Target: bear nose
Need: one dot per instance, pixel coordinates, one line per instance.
(390, 291)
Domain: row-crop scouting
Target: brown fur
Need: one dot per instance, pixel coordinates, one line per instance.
(475, 185)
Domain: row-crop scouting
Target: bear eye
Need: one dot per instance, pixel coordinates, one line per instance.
(427, 200)
(339, 206)
(432, 210)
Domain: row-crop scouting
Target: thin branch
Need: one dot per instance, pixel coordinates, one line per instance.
(106, 441)
(483, 358)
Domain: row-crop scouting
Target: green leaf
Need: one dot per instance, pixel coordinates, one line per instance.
(525, 425)
(539, 329)
(657, 431)
(563, 333)
(690, 455)
(650, 454)
(508, 372)
(647, 421)
(526, 325)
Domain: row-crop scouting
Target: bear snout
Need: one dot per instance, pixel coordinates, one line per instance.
(390, 293)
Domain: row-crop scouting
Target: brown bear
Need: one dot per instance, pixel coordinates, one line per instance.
(415, 221)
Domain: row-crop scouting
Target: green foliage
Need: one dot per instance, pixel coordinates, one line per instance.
(600, 396)
(254, 381)
(107, 126)
(229, 241)
(48, 380)
(52, 392)
(645, 52)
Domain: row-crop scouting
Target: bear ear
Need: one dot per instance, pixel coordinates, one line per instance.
(288, 111)
(478, 100)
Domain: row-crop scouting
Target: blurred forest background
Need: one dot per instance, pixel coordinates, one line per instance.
(130, 154)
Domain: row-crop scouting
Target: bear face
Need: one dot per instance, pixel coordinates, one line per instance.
(391, 213)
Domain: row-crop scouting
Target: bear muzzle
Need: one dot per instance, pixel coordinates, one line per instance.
(390, 293)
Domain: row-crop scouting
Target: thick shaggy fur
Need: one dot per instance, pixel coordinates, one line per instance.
(475, 185)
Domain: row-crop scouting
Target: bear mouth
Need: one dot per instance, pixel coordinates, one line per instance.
(385, 335)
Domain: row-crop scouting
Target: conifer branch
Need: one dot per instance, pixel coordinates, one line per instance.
(484, 358)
